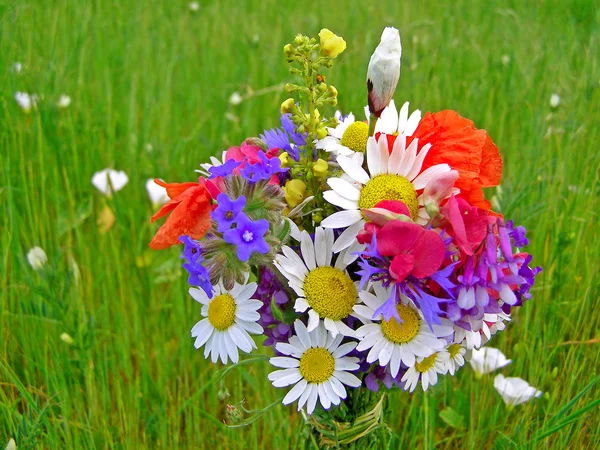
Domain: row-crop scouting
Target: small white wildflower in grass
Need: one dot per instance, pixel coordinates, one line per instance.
(118, 179)
(554, 100)
(37, 258)
(487, 360)
(235, 98)
(26, 102)
(17, 67)
(194, 6)
(158, 194)
(505, 60)
(514, 390)
(149, 147)
(65, 337)
(63, 101)
(232, 117)
(12, 445)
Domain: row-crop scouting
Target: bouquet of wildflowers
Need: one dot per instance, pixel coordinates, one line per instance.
(363, 251)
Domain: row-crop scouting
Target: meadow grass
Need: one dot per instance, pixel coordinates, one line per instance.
(150, 83)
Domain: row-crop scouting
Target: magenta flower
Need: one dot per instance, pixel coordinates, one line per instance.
(414, 250)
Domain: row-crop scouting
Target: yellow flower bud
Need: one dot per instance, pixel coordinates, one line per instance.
(288, 50)
(333, 91)
(321, 133)
(294, 191)
(287, 106)
(331, 44)
(285, 159)
(320, 168)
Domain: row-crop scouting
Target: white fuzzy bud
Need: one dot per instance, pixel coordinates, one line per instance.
(384, 71)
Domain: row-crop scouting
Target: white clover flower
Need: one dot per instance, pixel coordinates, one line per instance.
(505, 60)
(17, 67)
(194, 6)
(487, 360)
(384, 70)
(157, 194)
(37, 258)
(25, 101)
(514, 390)
(554, 100)
(235, 98)
(118, 179)
(66, 338)
(63, 101)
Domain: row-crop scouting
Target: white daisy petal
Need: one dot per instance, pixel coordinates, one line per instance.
(308, 251)
(313, 320)
(305, 395)
(295, 392)
(333, 397)
(323, 397)
(284, 362)
(347, 237)
(312, 399)
(347, 378)
(402, 118)
(355, 171)
(338, 387)
(412, 123)
(336, 199)
(374, 162)
(344, 188)
(342, 219)
(301, 305)
(320, 245)
(302, 333)
(430, 174)
(410, 154)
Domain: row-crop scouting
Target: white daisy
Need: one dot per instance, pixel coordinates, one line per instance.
(230, 315)
(25, 101)
(426, 370)
(318, 366)
(324, 289)
(391, 122)
(392, 176)
(393, 343)
(514, 390)
(456, 357)
(348, 138)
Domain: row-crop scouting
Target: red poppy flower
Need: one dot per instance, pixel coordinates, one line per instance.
(190, 208)
(455, 140)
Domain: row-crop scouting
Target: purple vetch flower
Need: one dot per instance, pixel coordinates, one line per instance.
(227, 210)
(517, 235)
(248, 236)
(271, 290)
(224, 169)
(198, 274)
(263, 170)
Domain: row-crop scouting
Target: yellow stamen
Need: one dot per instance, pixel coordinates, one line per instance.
(453, 350)
(426, 364)
(317, 365)
(355, 137)
(401, 333)
(330, 292)
(221, 311)
(389, 187)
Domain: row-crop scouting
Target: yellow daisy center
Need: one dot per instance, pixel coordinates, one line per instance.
(453, 350)
(355, 137)
(389, 187)
(317, 365)
(221, 311)
(330, 292)
(401, 333)
(426, 364)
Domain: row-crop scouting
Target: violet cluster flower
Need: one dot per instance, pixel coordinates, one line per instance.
(198, 274)
(262, 170)
(248, 236)
(227, 211)
(224, 169)
(281, 137)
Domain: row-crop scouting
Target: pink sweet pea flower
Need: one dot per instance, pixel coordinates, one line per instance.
(469, 223)
(379, 215)
(415, 251)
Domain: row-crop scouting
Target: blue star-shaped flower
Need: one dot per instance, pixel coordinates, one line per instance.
(248, 236)
(227, 211)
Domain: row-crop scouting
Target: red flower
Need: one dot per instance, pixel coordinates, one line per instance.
(414, 250)
(190, 208)
(455, 140)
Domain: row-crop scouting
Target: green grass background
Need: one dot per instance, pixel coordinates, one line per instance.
(153, 72)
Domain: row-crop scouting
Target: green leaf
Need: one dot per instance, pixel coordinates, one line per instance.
(452, 418)
(68, 222)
